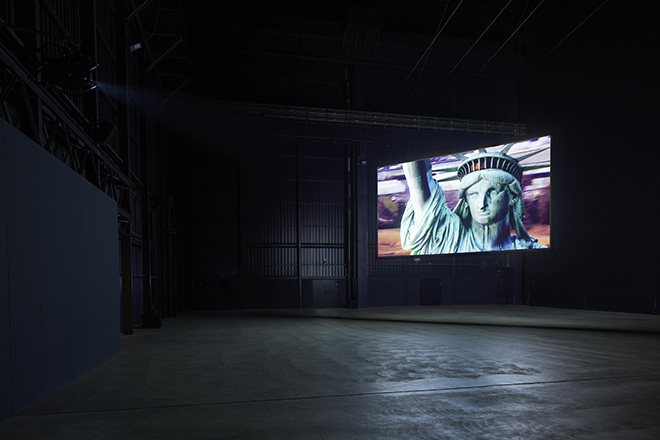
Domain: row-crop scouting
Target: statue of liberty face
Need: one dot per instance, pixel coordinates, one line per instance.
(488, 202)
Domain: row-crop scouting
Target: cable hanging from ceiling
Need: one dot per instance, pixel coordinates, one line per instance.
(429, 47)
(570, 33)
(475, 43)
(426, 58)
(511, 36)
(520, 74)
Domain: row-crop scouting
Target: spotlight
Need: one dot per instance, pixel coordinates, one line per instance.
(134, 47)
(71, 71)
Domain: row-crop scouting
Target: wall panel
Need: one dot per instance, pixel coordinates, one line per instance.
(24, 282)
(322, 214)
(58, 228)
(59, 273)
(5, 323)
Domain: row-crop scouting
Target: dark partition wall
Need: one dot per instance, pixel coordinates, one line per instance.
(59, 306)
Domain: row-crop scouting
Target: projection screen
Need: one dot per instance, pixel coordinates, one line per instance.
(492, 199)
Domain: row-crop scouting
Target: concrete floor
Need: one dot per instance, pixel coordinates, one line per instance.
(473, 372)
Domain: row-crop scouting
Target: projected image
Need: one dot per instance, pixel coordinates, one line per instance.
(486, 200)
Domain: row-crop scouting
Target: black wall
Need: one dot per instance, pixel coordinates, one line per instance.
(599, 102)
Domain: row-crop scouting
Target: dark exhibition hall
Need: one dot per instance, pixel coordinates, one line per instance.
(329, 219)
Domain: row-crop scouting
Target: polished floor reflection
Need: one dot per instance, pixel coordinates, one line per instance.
(480, 372)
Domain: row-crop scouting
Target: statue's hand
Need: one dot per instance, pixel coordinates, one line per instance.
(417, 175)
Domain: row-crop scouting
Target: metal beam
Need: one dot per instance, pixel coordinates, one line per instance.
(164, 55)
(56, 19)
(366, 118)
(137, 10)
(8, 88)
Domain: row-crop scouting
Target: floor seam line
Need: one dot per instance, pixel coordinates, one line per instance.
(335, 396)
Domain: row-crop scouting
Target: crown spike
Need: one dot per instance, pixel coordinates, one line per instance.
(447, 179)
(535, 167)
(506, 148)
(460, 156)
(528, 155)
(444, 170)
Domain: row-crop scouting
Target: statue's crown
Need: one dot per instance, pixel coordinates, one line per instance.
(490, 161)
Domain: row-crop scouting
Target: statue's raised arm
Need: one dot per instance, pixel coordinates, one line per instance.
(428, 226)
(417, 175)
